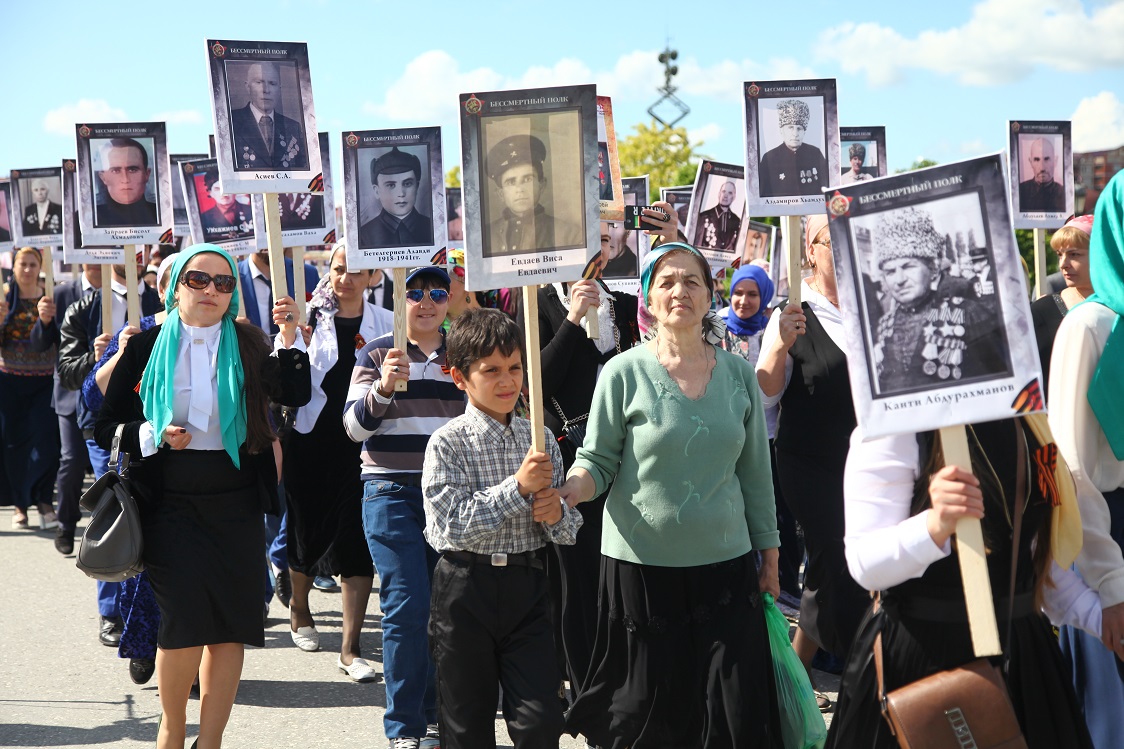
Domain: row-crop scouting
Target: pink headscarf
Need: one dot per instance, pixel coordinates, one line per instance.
(1082, 223)
(815, 225)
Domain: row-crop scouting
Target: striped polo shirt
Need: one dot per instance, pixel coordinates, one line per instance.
(395, 431)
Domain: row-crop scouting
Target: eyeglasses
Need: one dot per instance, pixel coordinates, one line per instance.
(415, 296)
(199, 280)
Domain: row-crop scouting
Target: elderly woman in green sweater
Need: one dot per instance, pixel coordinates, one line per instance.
(681, 657)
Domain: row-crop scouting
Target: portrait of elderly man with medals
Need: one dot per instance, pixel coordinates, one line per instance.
(515, 164)
(43, 216)
(794, 167)
(718, 226)
(263, 137)
(932, 328)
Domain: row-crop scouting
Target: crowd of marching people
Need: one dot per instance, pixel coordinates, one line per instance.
(609, 578)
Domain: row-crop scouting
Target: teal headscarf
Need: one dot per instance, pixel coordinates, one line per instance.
(157, 387)
(1106, 270)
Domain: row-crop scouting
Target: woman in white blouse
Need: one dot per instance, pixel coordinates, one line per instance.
(902, 506)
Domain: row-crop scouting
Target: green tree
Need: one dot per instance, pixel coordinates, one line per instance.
(666, 155)
(918, 164)
(453, 177)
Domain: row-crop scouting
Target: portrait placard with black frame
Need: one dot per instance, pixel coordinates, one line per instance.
(531, 192)
(265, 120)
(307, 219)
(714, 220)
(791, 145)
(862, 153)
(454, 215)
(73, 249)
(124, 183)
(216, 217)
(623, 249)
(1041, 160)
(756, 241)
(394, 197)
(35, 211)
(610, 189)
(679, 198)
(180, 226)
(935, 308)
(5, 216)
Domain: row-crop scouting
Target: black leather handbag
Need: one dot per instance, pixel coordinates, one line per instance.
(112, 546)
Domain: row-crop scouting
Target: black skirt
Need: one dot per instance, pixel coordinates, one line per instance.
(204, 541)
(681, 659)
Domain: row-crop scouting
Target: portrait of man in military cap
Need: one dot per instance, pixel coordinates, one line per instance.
(518, 220)
(124, 181)
(792, 166)
(264, 138)
(1040, 184)
(932, 326)
(395, 179)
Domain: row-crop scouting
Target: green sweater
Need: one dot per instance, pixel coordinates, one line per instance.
(691, 482)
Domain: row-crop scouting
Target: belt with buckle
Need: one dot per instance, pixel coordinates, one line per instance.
(524, 559)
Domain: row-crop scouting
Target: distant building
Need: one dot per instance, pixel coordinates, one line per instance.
(1091, 172)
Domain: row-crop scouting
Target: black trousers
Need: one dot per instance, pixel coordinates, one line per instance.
(73, 459)
(491, 627)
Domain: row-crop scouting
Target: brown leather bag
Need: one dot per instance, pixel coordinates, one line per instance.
(966, 707)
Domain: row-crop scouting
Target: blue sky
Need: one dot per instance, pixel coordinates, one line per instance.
(942, 77)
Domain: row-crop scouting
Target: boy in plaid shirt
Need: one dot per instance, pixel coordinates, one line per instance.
(491, 506)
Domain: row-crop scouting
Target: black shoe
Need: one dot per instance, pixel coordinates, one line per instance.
(283, 587)
(64, 541)
(141, 669)
(109, 631)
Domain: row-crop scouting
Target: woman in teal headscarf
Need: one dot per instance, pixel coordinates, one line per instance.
(1086, 403)
(190, 397)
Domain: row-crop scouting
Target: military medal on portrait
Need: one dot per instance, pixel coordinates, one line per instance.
(34, 203)
(307, 218)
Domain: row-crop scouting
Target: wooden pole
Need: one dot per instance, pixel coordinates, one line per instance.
(973, 560)
(792, 255)
(131, 282)
(299, 291)
(534, 366)
(107, 299)
(400, 340)
(48, 274)
(276, 247)
(1040, 287)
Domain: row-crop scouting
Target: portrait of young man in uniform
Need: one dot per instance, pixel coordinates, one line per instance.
(857, 156)
(515, 165)
(396, 177)
(123, 176)
(718, 226)
(264, 138)
(43, 215)
(227, 218)
(1040, 192)
(793, 167)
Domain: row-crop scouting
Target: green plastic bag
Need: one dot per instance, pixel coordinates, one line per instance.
(802, 725)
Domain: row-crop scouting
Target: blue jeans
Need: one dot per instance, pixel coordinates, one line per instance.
(107, 592)
(393, 521)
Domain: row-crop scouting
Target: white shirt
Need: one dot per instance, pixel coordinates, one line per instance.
(121, 302)
(41, 209)
(258, 114)
(885, 545)
(829, 317)
(1077, 350)
(378, 291)
(263, 289)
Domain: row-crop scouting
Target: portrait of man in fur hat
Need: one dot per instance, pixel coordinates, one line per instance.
(793, 167)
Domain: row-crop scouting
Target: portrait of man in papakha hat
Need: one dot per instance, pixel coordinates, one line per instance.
(265, 139)
(515, 164)
(927, 334)
(396, 177)
(794, 167)
(857, 155)
(1041, 192)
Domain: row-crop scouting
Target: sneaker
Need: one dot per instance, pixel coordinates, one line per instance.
(405, 743)
(64, 541)
(432, 738)
(325, 583)
(48, 520)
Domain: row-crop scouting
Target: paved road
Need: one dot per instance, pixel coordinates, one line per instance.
(59, 687)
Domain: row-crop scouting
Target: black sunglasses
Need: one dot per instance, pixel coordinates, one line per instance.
(439, 296)
(199, 280)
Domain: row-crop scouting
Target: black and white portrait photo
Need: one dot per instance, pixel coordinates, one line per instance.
(454, 213)
(757, 243)
(1041, 164)
(933, 295)
(531, 189)
(74, 249)
(265, 121)
(679, 197)
(35, 207)
(124, 183)
(715, 220)
(307, 218)
(5, 220)
(179, 206)
(394, 196)
(863, 153)
(792, 145)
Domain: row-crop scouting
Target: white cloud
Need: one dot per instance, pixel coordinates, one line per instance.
(1098, 123)
(973, 147)
(1003, 41)
(61, 121)
(707, 133)
(179, 117)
